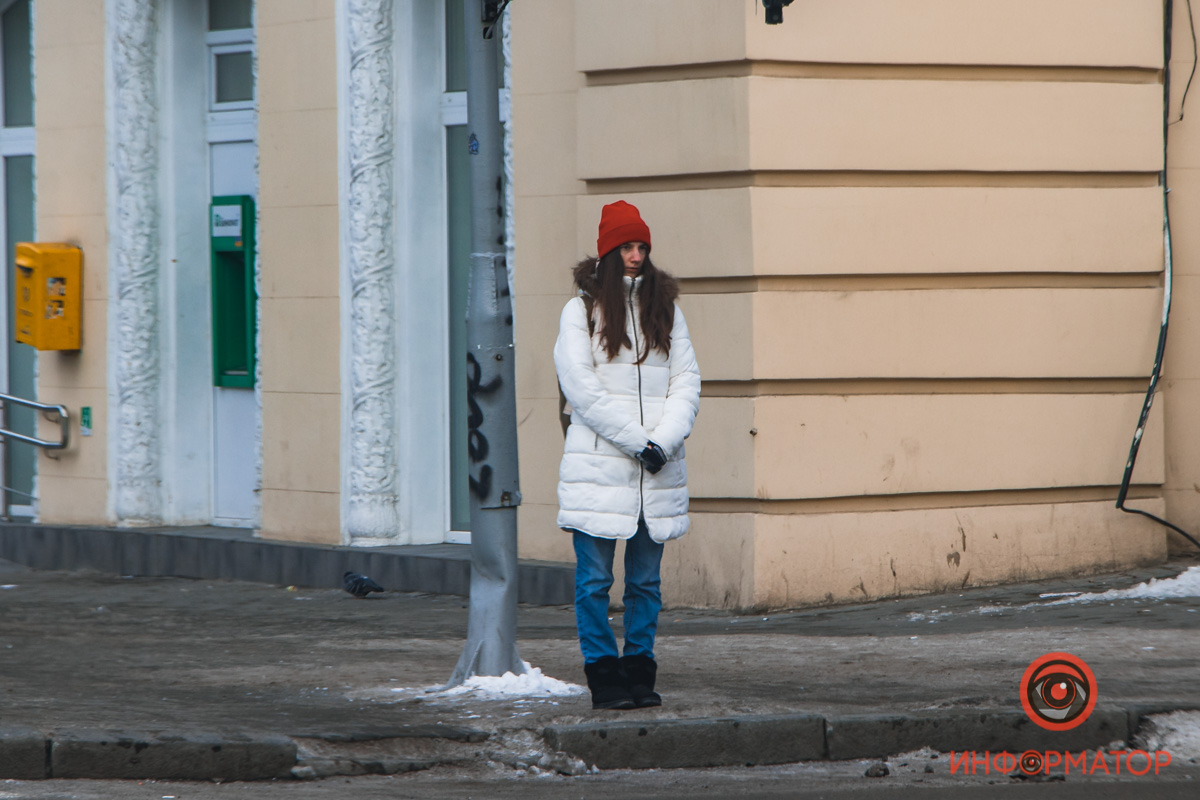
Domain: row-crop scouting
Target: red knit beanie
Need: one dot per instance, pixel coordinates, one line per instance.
(620, 223)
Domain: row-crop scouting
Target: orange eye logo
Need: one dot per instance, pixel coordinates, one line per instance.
(1058, 691)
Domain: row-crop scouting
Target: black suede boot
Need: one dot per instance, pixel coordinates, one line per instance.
(641, 671)
(607, 682)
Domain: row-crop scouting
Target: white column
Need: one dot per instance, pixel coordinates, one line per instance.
(395, 335)
(134, 363)
(369, 267)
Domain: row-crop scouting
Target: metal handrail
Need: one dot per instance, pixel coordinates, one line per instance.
(64, 419)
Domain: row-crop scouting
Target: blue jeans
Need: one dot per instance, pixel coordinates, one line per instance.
(643, 598)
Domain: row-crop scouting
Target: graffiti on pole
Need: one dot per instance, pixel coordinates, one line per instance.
(477, 443)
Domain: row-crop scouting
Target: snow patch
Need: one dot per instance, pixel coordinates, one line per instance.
(992, 609)
(1177, 733)
(532, 683)
(1185, 584)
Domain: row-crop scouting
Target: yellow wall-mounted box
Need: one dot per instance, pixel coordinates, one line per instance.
(48, 295)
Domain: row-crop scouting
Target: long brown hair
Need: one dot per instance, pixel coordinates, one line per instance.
(600, 283)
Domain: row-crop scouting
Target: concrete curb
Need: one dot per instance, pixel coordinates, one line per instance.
(802, 737)
(879, 735)
(24, 753)
(29, 754)
(669, 744)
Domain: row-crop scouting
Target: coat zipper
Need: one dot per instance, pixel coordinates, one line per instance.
(637, 355)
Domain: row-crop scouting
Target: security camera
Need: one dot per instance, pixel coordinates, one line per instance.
(775, 10)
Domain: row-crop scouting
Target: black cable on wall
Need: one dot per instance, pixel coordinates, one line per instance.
(1156, 372)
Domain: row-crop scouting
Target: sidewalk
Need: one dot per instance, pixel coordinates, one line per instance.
(153, 677)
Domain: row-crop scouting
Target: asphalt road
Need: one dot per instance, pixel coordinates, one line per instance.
(839, 781)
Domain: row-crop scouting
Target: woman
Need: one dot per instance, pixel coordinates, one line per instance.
(628, 373)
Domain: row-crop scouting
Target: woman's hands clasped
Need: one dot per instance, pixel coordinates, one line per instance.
(652, 457)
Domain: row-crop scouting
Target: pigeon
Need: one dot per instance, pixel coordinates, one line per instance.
(359, 585)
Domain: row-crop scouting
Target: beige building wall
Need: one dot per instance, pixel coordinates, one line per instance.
(920, 248)
(1181, 372)
(545, 85)
(70, 164)
(299, 258)
(921, 255)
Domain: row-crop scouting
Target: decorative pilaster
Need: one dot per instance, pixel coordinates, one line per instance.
(371, 263)
(134, 235)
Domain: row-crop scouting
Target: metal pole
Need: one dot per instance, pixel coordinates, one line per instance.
(491, 647)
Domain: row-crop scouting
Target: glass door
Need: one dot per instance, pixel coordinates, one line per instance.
(233, 155)
(17, 142)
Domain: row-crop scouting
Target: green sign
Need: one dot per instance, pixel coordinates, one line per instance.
(234, 307)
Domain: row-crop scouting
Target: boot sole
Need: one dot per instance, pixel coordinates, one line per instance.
(615, 705)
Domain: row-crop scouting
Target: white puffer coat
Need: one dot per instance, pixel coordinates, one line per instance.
(616, 407)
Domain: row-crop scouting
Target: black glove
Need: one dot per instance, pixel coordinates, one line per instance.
(653, 458)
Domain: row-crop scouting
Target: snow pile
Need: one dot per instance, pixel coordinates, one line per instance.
(533, 683)
(1186, 584)
(530, 684)
(1177, 732)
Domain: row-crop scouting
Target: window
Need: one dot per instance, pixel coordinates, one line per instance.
(18, 61)
(230, 55)
(225, 15)
(233, 76)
